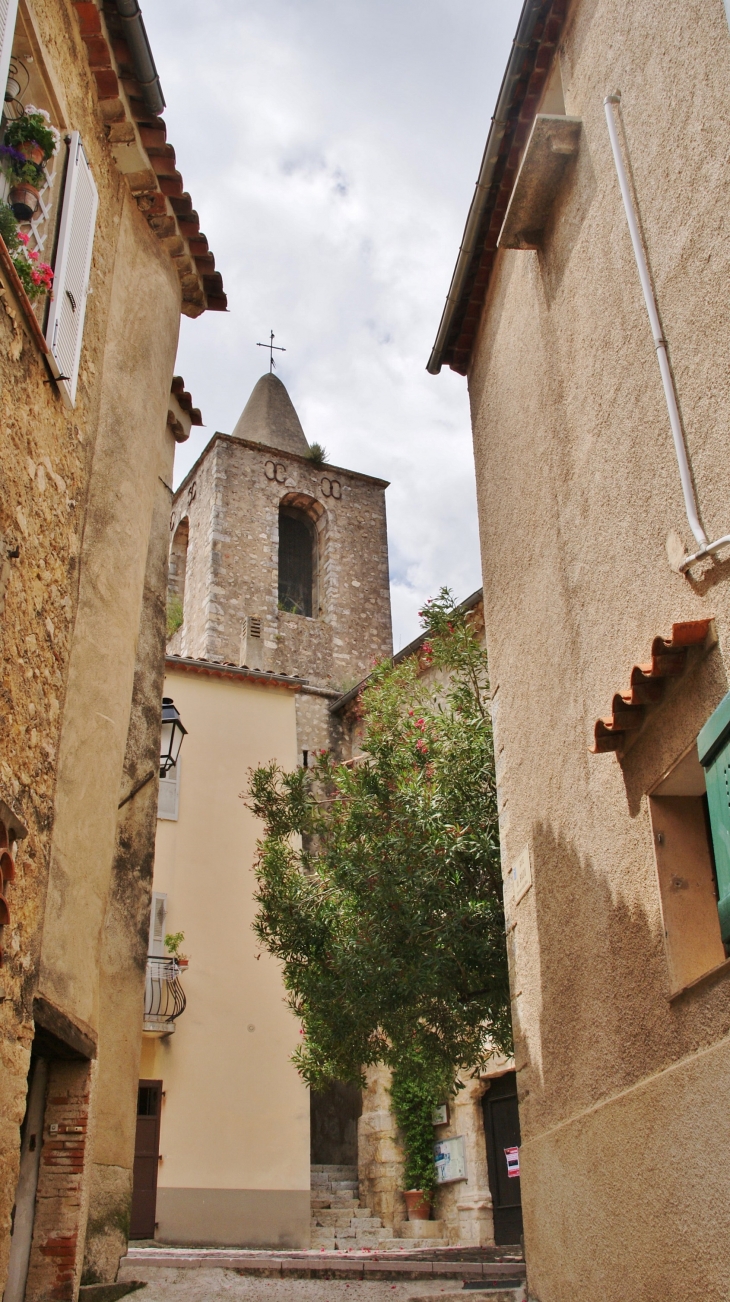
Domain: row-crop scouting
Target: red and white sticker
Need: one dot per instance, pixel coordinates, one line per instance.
(513, 1162)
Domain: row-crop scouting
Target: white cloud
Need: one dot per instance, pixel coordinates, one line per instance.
(331, 151)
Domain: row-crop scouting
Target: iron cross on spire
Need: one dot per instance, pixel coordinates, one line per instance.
(273, 348)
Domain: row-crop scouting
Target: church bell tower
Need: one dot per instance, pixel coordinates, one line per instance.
(280, 561)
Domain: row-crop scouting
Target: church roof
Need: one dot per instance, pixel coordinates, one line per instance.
(269, 417)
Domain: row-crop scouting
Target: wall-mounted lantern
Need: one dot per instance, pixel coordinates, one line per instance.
(172, 735)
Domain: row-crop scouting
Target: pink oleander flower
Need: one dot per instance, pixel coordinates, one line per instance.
(422, 746)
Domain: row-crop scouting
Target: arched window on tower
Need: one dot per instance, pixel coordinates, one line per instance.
(297, 561)
(176, 577)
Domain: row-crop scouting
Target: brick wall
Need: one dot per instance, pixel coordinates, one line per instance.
(60, 1216)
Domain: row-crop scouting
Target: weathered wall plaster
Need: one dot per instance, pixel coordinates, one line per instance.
(578, 491)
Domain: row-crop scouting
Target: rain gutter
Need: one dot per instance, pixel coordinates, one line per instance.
(142, 60)
(531, 12)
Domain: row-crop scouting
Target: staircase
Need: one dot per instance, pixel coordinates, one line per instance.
(339, 1222)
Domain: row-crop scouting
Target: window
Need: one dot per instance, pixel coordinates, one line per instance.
(686, 871)
(177, 573)
(158, 918)
(297, 568)
(72, 265)
(168, 800)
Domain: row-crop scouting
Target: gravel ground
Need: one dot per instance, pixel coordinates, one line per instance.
(166, 1284)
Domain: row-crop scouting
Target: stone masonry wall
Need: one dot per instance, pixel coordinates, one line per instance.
(49, 507)
(232, 499)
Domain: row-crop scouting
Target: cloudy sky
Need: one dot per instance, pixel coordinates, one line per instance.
(331, 149)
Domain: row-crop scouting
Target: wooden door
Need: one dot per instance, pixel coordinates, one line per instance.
(502, 1130)
(146, 1159)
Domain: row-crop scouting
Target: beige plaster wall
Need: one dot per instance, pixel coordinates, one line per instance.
(578, 490)
(235, 1121)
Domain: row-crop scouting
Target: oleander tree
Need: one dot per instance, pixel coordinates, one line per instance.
(380, 890)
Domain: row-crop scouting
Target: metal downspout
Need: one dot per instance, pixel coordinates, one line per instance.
(139, 47)
(706, 548)
(500, 122)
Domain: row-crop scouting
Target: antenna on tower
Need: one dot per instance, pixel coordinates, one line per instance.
(273, 348)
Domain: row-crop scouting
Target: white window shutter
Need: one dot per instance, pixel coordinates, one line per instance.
(158, 920)
(65, 327)
(8, 15)
(168, 799)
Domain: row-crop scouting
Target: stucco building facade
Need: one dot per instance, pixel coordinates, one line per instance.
(88, 435)
(607, 642)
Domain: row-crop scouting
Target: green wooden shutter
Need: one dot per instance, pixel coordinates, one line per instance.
(713, 748)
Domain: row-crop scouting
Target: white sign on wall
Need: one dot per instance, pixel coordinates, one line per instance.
(450, 1160)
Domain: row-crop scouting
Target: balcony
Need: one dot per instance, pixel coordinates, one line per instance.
(164, 997)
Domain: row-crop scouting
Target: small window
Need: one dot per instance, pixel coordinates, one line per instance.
(686, 871)
(176, 577)
(158, 919)
(148, 1098)
(168, 800)
(297, 552)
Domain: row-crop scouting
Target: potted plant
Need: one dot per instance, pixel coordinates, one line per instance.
(415, 1089)
(35, 276)
(30, 141)
(173, 941)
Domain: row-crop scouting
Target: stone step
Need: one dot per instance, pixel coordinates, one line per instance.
(362, 1213)
(332, 1217)
(342, 1186)
(497, 1294)
(362, 1223)
(412, 1245)
(323, 1238)
(422, 1229)
(337, 1172)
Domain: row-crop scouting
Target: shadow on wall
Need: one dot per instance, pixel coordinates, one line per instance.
(596, 951)
(611, 1196)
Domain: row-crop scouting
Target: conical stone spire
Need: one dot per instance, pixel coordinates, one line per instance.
(269, 417)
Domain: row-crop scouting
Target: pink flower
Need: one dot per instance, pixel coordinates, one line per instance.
(22, 237)
(422, 746)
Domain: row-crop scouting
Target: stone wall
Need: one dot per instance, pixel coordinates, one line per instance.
(76, 501)
(232, 498)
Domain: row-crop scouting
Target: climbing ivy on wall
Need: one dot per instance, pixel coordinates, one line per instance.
(379, 885)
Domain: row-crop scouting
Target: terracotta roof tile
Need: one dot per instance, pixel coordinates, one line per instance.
(647, 684)
(178, 388)
(159, 191)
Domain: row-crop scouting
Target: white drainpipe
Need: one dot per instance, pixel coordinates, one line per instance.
(706, 548)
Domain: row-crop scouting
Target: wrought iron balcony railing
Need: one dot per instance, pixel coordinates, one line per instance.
(164, 997)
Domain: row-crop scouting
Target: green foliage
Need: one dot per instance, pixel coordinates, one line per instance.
(317, 454)
(173, 941)
(174, 614)
(415, 1090)
(32, 126)
(380, 890)
(8, 228)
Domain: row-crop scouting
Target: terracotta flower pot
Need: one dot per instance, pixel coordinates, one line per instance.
(23, 200)
(33, 152)
(418, 1204)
